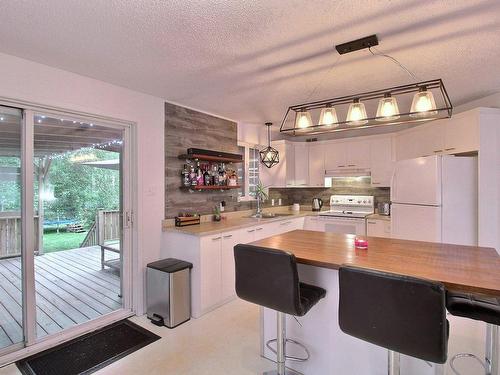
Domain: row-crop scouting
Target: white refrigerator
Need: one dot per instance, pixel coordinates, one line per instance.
(434, 199)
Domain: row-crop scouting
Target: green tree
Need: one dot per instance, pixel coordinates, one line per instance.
(80, 190)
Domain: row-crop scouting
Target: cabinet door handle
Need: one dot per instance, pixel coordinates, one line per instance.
(228, 236)
(340, 166)
(371, 222)
(449, 149)
(216, 238)
(288, 222)
(376, 183)
(259, 228)
(351, 165)
(251, 230)
(437, 151)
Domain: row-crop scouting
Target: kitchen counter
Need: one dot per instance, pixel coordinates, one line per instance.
(232, 223)
(379, 217)
(459, 267)
(319, 255)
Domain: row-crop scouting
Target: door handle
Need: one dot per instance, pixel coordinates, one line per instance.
(437, 151)
(259, 228)
(216, 238)
(371, 222)
(228, 236)
(251, 230)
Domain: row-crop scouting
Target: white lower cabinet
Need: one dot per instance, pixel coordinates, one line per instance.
(314, 223)
(378, 228)
(229, 241)
(211, 277)
(213, 273)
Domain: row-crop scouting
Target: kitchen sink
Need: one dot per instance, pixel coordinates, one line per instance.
(270, 215)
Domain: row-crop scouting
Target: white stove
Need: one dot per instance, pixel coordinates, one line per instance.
(347, 214)
(358, 206)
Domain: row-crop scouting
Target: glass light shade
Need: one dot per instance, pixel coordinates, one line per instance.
(303, 120)
(356, 115)
(328, 116)
(423, 104)
(387, 109)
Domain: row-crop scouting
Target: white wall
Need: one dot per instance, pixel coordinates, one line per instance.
(253, 133)
(29, 81)
(490, 101)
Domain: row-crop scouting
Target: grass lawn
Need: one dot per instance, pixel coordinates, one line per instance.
(53, 241)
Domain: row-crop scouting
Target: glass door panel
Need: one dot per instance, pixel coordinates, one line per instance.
(11, 285)
(78, 210)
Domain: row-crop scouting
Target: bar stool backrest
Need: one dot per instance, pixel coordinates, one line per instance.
(268, 278)
(403, 314)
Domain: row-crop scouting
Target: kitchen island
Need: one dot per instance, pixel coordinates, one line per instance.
(321, 254)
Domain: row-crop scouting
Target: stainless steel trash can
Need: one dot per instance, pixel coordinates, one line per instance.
(168, 292)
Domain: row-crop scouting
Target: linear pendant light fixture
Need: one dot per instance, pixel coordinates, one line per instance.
(425, 101)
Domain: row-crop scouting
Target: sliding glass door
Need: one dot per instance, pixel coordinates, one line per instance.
(64, 240)
(11, 285)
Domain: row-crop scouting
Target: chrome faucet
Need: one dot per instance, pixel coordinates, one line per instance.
(258, 212)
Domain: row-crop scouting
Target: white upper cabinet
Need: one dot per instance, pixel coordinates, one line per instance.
(382, 161)
(358, 154)
(283, 173)
(335, 155)
(301, 164)
(347, 155)
(316, 164)
(462, 133)
(448, 136)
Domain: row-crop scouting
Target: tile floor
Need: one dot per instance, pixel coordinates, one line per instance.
(225, 341)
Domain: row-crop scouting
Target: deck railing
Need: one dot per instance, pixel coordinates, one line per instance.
(105, 228)
(10, 234)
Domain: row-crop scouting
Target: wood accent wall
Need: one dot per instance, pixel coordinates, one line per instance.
(185, 128)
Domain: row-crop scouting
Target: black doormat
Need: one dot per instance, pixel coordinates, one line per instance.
(90, 352)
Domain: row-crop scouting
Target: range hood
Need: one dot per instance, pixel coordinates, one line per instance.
(348, 172)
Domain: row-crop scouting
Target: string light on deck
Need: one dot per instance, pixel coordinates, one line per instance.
(115, 142)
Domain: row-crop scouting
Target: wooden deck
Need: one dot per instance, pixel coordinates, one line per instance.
(71, 288)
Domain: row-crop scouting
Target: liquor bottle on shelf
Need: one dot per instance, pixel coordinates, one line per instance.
(186, 180)
(207, 180)
(192, 176)
(222, 175)
(199, 174)
(215, 175)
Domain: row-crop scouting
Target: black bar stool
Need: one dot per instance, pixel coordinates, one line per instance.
(403, 314)
(483, 308)
(269, 278)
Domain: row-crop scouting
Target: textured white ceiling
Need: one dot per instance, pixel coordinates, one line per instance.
(250, 60)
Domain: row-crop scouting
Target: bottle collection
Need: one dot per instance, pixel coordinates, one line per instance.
(209, 174)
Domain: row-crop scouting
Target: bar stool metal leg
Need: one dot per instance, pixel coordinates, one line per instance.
(491, 353)
(393, 363)
(281, 347)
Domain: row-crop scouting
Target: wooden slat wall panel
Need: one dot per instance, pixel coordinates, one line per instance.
(186, 128)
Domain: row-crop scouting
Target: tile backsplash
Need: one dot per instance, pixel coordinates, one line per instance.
(344, 185)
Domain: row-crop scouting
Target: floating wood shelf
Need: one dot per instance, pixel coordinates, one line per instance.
(210, 158)
(210, 187)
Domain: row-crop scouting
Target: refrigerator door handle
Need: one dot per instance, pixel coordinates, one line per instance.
(393, 186)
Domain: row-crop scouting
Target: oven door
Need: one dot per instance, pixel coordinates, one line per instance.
(344, 225)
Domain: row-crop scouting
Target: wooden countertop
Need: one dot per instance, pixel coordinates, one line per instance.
(214, 227)
(465, 268)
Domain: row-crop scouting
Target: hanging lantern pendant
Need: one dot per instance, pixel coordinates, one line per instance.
(269, 156)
